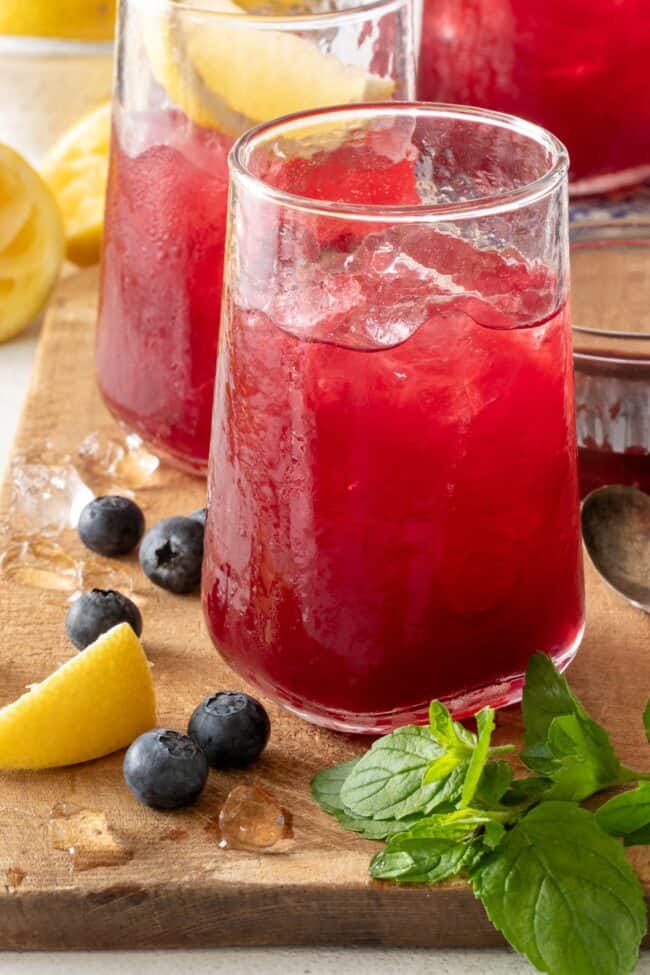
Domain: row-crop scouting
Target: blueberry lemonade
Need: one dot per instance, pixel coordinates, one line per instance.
(191, 77)
(393, 506)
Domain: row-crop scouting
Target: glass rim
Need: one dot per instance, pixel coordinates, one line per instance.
(327, 18)
(493, 204)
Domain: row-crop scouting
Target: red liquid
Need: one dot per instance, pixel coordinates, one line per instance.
(578, 67)
(391, 524)
(600, 466)
(161, 283)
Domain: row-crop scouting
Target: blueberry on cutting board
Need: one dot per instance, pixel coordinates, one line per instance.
(171, 554)
(165, 769)
(98, 611)
(232, 729)
(111, 525)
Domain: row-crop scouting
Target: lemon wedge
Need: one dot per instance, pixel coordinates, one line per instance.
(76, 170)
(31, 243)
(98, 701)
(82, 20)
(225, 75)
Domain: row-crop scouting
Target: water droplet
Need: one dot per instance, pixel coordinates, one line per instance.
(87, 837)
(14, 878)
(40, 564)
(252, 819)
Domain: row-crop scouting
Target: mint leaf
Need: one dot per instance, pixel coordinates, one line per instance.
(646, 720)
(526, 791)
(450, 735)
(562, 742)
(426, 861)
(375, 829)
(326, 786)
(387, 781)
(434, 849)
(494, 783)
(584, 761)
(457, 743)
(485, 727)
(628, 816)
(563, 893)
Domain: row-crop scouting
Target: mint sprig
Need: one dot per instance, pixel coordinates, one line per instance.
(563, 893)
(552, 876)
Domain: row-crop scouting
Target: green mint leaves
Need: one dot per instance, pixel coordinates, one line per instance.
(628, 816)
(562, 742)
(553, 877)
(563, 893)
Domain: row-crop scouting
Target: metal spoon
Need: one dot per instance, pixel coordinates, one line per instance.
(616, 532)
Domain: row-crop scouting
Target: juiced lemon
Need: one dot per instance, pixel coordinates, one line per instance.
(222, 73)
(31, 243)
(76, 169)
(83, 20)
(95, 703)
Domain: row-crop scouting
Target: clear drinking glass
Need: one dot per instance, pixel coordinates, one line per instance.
(190, 78)
(578, 67)
(393, 498)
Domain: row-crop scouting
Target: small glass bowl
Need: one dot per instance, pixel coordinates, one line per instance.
(610, 268)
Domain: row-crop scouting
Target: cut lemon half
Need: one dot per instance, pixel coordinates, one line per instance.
(31, 243)
(226, 74)
(76, 170)
(95, 703)
(82, 20)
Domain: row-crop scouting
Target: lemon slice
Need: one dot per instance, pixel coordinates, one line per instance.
(171, 67)
(82, 20)
(76, 170)
(96, 702)
(31, 243)
(223, 74)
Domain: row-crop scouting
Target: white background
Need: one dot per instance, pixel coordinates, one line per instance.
(15, 366)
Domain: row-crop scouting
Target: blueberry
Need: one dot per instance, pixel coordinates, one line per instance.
(165, 769)
(199, 516)
(111, 525)
(97, 611)
(231, 728)
(171, 554)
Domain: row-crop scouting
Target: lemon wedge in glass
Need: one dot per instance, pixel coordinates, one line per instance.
(96, 702)
(226, 74)
(31, 243)
(81, 20)
(76, 170)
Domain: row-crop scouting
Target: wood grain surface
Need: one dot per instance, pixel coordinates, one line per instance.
(180, 888)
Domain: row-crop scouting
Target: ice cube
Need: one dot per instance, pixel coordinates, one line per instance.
(45, 500)
(251, 819)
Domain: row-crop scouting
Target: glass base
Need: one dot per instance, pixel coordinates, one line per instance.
(466, 705)
(197, 468)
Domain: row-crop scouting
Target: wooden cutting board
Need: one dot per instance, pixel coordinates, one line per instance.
(180, 888)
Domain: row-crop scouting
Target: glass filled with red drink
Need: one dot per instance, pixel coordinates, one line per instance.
(393, 496)
(578, 67)
(191, 76)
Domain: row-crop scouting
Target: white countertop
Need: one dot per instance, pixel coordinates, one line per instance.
(15, 365)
